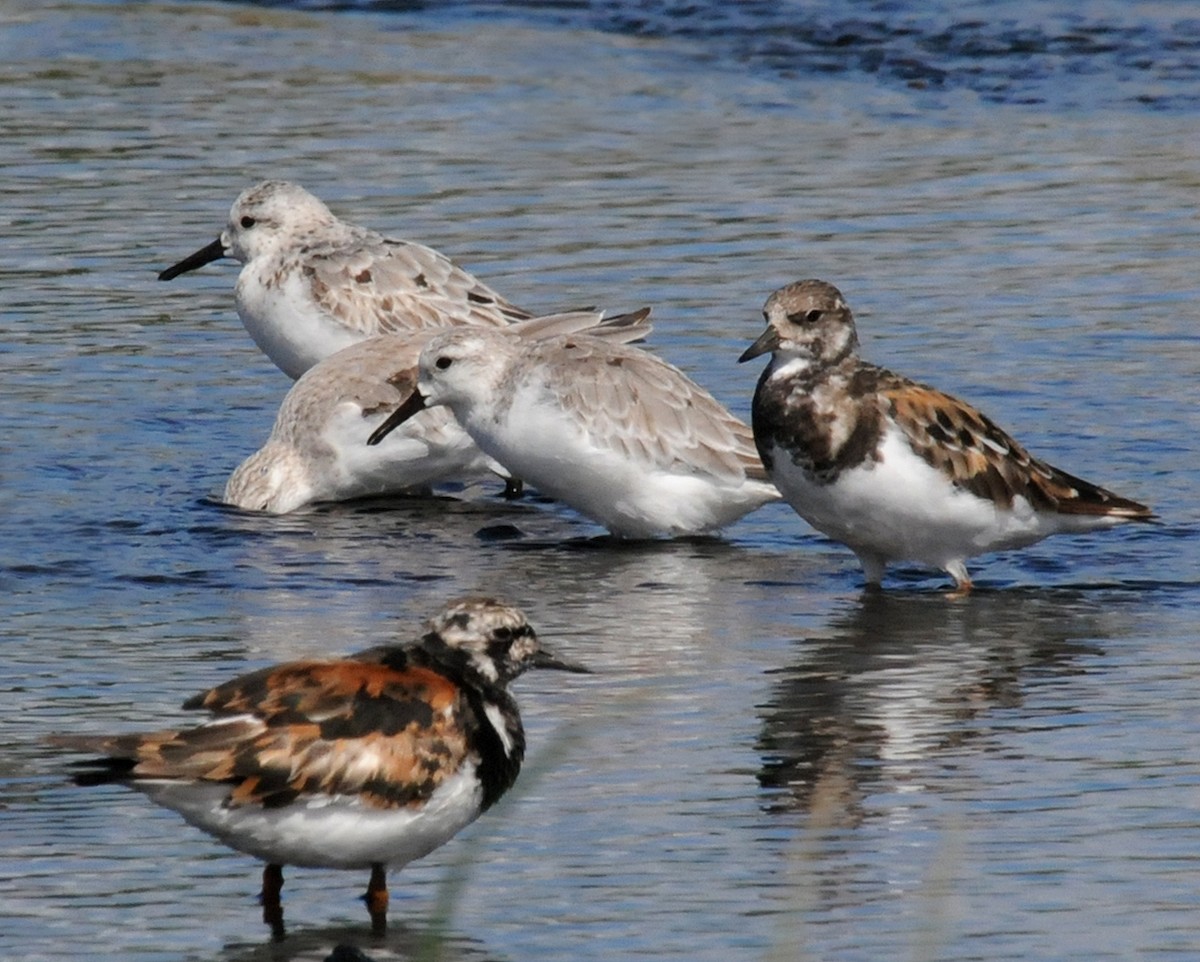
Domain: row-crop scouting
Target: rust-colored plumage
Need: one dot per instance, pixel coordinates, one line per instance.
(362, 761)
(980, 457)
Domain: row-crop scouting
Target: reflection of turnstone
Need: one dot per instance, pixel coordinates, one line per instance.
(894, 469)
(366, 762)
(312, 284)
(318, 448)
(612, 431)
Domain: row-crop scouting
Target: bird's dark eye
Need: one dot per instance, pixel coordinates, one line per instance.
(503, 634)
(806, 317)
(248, 222)
(441, 364)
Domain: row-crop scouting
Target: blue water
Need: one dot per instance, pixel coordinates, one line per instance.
(1066, 56)
(767, 764)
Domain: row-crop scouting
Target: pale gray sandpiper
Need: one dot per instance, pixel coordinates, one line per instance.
(896, 470)
(312, 284)
(614, 432)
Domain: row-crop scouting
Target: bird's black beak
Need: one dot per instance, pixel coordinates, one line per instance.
(206, 255)
(545, 658)
(413, 404)
(768, 341)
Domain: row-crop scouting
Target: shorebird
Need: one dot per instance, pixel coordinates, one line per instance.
(893, 469)
(366, 762)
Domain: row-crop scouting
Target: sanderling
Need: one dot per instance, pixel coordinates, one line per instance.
(895, 470)
(366, 762)
(312, 284)
(612, 431)
(318, 447)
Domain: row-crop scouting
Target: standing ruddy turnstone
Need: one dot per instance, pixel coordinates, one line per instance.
(366, 762)
(612, 431)
(894, 469)
(312, 284)
(318, 447)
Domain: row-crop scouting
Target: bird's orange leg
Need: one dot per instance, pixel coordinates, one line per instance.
(377, 898)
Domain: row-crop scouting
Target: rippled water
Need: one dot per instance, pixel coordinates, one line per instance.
(767, 764)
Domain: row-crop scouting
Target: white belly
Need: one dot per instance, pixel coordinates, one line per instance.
(633, 498)
(901, 508)
(429, 449)
(326, 831)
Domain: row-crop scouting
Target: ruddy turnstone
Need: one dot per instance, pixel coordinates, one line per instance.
(891, 468)
(367, 762)
(612, 431)
(318, 447)
(312, 284)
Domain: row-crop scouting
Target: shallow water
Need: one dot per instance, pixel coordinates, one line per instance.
(767, 764)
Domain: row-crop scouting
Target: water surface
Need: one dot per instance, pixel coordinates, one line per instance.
(767, 764)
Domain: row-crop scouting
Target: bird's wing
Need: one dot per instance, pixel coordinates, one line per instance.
(979, 456)
(389, 735)
(650, 412)
(378, 285)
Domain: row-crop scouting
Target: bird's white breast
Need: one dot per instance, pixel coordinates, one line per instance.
(277, 309)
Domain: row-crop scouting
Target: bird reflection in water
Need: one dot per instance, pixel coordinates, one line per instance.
(901, 680)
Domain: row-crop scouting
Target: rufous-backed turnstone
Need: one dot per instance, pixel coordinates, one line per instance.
(312, 284)
(614, 432)
(891, 468)
(365, 762)
(318, 447)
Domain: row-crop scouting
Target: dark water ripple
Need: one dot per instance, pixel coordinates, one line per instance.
(1052, 54)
